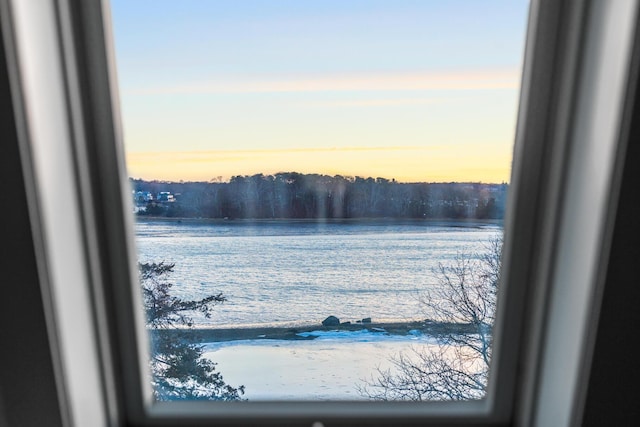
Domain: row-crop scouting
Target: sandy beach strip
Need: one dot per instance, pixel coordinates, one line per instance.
(210, 335)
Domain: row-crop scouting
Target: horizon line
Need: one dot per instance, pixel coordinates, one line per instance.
(219, 180)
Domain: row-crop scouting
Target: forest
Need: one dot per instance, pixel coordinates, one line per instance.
(292, 195)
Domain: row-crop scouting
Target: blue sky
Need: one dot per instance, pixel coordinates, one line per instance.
(246, 86)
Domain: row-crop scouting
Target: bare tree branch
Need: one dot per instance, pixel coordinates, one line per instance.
(457, 367)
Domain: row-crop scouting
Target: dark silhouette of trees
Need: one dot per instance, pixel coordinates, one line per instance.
(292, 195)
(457, 368)
(178, 369)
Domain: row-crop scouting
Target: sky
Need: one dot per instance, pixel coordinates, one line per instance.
(414, 90)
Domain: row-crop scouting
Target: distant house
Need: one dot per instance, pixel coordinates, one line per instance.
(142, 197)
(165, 196)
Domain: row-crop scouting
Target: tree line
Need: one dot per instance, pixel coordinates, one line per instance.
(292, 195)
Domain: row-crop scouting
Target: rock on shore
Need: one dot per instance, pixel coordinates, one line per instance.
(331, 321)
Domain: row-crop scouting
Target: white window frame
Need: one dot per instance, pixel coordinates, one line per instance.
(577, 85)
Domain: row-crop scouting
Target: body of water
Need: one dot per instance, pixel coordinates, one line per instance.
(287, 272)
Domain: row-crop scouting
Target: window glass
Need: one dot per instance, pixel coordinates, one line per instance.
(319, 189)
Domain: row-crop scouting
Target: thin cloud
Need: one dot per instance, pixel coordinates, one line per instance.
(469, 80)
(205, 156)
(398, 102)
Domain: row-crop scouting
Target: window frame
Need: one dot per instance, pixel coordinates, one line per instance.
(83, 233)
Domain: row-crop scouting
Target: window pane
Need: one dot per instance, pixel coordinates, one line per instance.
(319, 189)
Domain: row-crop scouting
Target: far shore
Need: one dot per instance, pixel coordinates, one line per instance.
(209, 335)
(364, 220)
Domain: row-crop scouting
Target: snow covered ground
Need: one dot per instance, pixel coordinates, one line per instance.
(326, 368)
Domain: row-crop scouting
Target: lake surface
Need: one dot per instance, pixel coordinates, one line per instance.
(330, 367)
(289, 273)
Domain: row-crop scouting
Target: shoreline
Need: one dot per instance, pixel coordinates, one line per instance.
(212, 335)
(464, 222)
